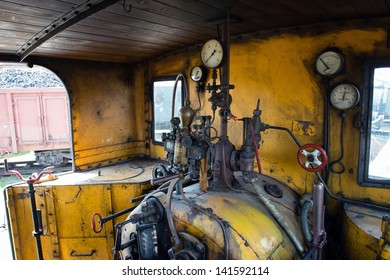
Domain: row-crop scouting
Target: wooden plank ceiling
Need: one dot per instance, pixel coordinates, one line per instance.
(135, 30)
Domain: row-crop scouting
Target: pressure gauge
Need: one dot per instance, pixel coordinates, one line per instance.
(197, 73)
(212, 54)
(329, 63)
(344, 96)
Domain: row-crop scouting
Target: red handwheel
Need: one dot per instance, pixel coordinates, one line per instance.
(312, 157)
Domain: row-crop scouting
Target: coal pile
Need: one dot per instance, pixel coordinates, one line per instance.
(18, 78)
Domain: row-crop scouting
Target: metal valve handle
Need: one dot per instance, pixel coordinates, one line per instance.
(314, 155)
(99, 221)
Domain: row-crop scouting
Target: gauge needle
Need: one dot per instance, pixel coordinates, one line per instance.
(211, 55)
(327, 67)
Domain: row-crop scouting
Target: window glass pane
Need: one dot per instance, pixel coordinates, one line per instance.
(162, 102)
(379, 162)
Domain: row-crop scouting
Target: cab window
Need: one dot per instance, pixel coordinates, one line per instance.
(163, 93)
(374, 163)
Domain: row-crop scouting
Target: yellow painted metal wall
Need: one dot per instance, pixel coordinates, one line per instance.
(66, 219)
(279, 69)
(107, 110)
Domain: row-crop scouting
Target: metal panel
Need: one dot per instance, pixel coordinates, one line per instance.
(28, 119)
(34, 119)
(56, 118)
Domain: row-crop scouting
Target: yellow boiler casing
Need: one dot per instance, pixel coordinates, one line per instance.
(238, 221)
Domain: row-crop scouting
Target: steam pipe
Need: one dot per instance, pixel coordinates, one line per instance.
(225, 79)
(186, 97)
(256, 148)
(280, 219)
(171, 225)
(304, 220)
(285, 129)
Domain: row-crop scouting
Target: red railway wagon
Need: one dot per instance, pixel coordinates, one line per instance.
(35, 119)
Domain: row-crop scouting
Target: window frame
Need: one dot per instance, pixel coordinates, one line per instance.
(162, 79)
(366, 125)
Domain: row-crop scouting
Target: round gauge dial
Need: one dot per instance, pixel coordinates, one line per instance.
(344, 96)
(329, 63)
(212, 53)
(197, 73)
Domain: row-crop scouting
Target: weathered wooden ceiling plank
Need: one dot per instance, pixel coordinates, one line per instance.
(102, 51)
(72, 17)
(114, 46)
(338, 10)
(252, 18)
(308, 10)
(158, 22)
(370, 8)
(25, 19)
(127, 23)
(66, 54)
(33, 11)
(134, 35)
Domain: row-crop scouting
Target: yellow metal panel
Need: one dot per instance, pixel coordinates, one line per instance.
(361, 232)
(66, 218)
(107, 109)
(10, 202)
(84, 249)
(22, 226)
(108, 154)
(52, 224)
(74, 207)
(25, 248)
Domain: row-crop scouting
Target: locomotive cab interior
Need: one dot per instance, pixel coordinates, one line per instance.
(208, 130)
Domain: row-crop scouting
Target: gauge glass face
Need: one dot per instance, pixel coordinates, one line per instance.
(344, 96)
(329, 63)
(196, 73)
(212, 53)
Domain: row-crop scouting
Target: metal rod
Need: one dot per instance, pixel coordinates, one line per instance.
(319, 234)
(72, 17)
(289, 132)
(225, 78)
(120, 213)
(36, 233)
